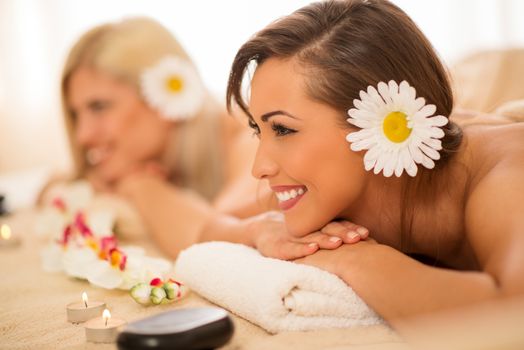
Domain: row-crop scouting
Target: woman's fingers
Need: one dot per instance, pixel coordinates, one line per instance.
(323, 240)
(347, 231)
(289, 250)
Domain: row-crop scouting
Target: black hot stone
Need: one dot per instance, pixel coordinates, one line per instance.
(3, 210)
(187, 329)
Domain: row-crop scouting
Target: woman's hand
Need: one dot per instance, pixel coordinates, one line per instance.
(347, 231)
(128, 183)
(272, 239)
(336, 261)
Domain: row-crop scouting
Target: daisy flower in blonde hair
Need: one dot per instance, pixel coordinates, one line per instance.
(398, 130)
(174, 87)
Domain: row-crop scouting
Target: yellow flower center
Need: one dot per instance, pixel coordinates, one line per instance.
(174, 84)
(116, 258)
(396, 127)
(91, 243)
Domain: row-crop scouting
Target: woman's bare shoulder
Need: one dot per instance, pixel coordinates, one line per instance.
(494, 205)
(489, 147)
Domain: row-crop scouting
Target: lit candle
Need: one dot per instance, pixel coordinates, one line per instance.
(6, 237)
(84, 310)
(103, 329)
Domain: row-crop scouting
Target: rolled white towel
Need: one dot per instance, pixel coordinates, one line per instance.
(277, 295)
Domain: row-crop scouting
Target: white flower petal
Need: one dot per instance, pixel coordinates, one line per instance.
(369, 164)
(427, 162)
(416, 153)
(412, 169)
(357, 104)
(372, 154)
(381, 162)
(427, 111)
(384, 92)
(375, 96)
(363, 144)
(430, 152)
(436, 132)
(390, 165)
(393, 87)
(361, 134)
(102, 274)
(362, 123)
(363, 114)
(433, 143)
(419, 103)
(78, 261)
(408, 163)
(399, 168)
(438, 120)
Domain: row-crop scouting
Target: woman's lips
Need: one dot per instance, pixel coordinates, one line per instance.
(288, 195)
(95, 156)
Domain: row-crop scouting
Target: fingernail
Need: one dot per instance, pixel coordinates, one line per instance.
(312, 245)
(362, 230)
(334, 239)
(353, 235)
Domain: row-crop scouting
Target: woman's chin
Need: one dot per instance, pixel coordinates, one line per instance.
(301, 229)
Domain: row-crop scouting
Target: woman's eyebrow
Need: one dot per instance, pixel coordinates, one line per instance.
(265, 117)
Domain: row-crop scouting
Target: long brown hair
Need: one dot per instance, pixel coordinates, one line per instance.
(345, 46)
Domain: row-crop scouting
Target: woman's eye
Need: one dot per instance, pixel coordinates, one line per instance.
(281, 130)
(254, 127)
(99, 106)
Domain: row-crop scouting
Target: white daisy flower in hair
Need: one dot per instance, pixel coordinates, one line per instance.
(398, 130)
(174, 87)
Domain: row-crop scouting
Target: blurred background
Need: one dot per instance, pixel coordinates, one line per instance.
(36, 35)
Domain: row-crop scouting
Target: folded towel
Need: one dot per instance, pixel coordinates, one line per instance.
(277, 295)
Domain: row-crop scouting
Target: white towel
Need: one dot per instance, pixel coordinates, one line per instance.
(277, 295)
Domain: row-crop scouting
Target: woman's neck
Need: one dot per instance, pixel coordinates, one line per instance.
(378, 209)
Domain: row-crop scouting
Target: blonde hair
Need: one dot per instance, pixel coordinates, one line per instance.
(124, 49)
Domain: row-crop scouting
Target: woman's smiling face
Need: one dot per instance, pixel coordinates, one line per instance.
(112, 124)
(302, 152)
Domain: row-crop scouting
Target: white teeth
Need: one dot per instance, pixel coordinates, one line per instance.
(95, 155)
(287, 195)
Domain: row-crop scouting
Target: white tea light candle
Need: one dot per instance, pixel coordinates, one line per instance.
(7, 239)
(85, 310)
(103, 329)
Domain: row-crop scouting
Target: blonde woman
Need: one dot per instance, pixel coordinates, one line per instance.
(142, 124)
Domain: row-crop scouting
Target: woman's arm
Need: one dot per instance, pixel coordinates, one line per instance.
(175, 216)
(396, 285)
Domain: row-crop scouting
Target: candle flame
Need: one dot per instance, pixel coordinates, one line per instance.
(84, 298)
(5, 231)
(106, 315)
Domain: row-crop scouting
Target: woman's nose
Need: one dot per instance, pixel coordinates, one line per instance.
(85, 132)
(264, 166)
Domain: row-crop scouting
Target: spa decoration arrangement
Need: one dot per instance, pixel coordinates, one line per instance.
(158, 292)
(81, 243)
